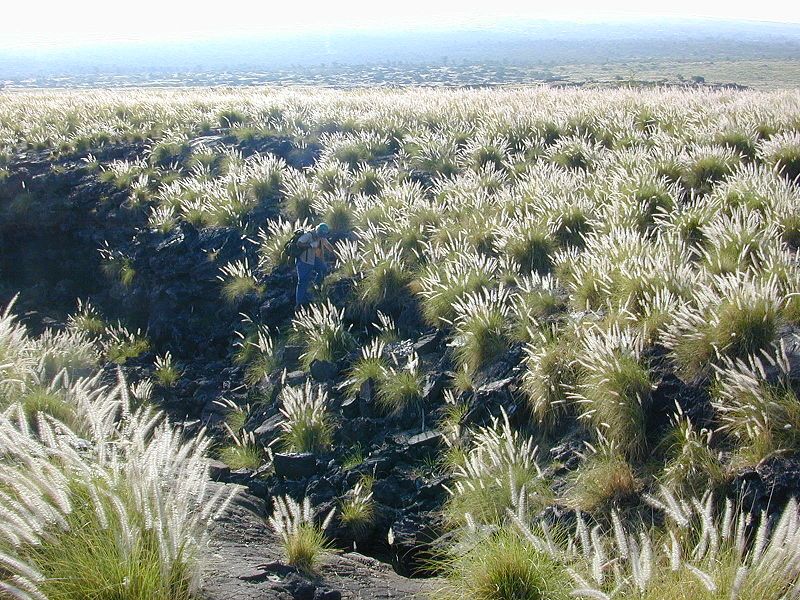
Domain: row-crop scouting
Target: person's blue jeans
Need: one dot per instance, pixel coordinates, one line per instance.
(305, 273)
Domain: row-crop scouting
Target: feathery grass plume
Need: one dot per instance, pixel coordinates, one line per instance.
(550, 375)
(385, 279)
(122, 344)
(537, 300)
(785, 270)
(502, 565)
(703, 556)
(353, 458)
(688, 222)
(87, 319)
(693, 466)
(122, 173)
(141, 393)
(263, 176)
(704, 167)
(371, 366)
(443, 283)
(272, 241)
(370, 181)
(574, 153)
(244, 452)
(782, 152)
(163, 219)
(431, 152)
(117, 265)
(753, 188)
(740, 141)
(331, 177)
(530, 246)
(168, 152)
(500, 466)
(451, 424)
(50, 401)
(789, 224)
(569, 220)
(464, 380)
(479, 153)
(120, 503)
(71, 351)
(320, 330)
(300, 195)
(735, 243)
(306, 424)
(732, 316)
(353, 149)
(480, 327)
(638, 199)
(357, 511)
(759, 410)
(166, 372)
(231, 117)
(604, 480)
(17, 361)
(337, 212)
(400, 389)
(257, 350)
(235, 415)
(204, 161)
(613, 387)
(303, 540)
(386, 328)
(239, 280)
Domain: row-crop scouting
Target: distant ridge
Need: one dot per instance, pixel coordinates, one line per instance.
(532, 43)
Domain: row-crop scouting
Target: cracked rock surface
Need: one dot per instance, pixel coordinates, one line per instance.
(244, 562)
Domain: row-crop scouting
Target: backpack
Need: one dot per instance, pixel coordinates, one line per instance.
(291, 249)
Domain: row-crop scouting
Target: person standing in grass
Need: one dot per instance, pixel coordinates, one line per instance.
(311, 262)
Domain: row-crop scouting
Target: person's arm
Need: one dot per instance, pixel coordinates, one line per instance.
(326, 245)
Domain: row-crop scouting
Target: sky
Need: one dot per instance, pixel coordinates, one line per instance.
(30, 25)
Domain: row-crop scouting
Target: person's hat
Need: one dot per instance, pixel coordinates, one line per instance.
(323, 230)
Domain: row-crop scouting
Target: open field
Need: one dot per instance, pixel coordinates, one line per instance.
(760, 74)
(557, 352)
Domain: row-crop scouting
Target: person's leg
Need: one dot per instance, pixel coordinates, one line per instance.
(304, 273)
(321, 270)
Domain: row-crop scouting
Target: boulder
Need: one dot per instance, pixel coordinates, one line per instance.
(273, 311)
(295, 466)
(269, 430)
(218, 470)
(394, 491)
(410, 541)
(428, 344)
(768, 485)
(323, 370)
(568, 455)
(320, 491)
(296, 378)
(489, 398)
(366, 398)
(426, 439)
(433, 387)
(291, 354)
(350, 408)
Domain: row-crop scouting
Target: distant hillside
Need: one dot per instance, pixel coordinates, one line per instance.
(541, 44)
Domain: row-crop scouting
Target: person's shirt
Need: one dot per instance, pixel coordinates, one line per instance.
(311, 247)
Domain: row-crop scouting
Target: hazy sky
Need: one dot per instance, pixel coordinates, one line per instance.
(31, 24)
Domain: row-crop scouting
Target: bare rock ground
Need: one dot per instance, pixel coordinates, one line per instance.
(242, 541)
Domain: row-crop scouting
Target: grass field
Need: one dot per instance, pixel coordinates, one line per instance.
(636, 250)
